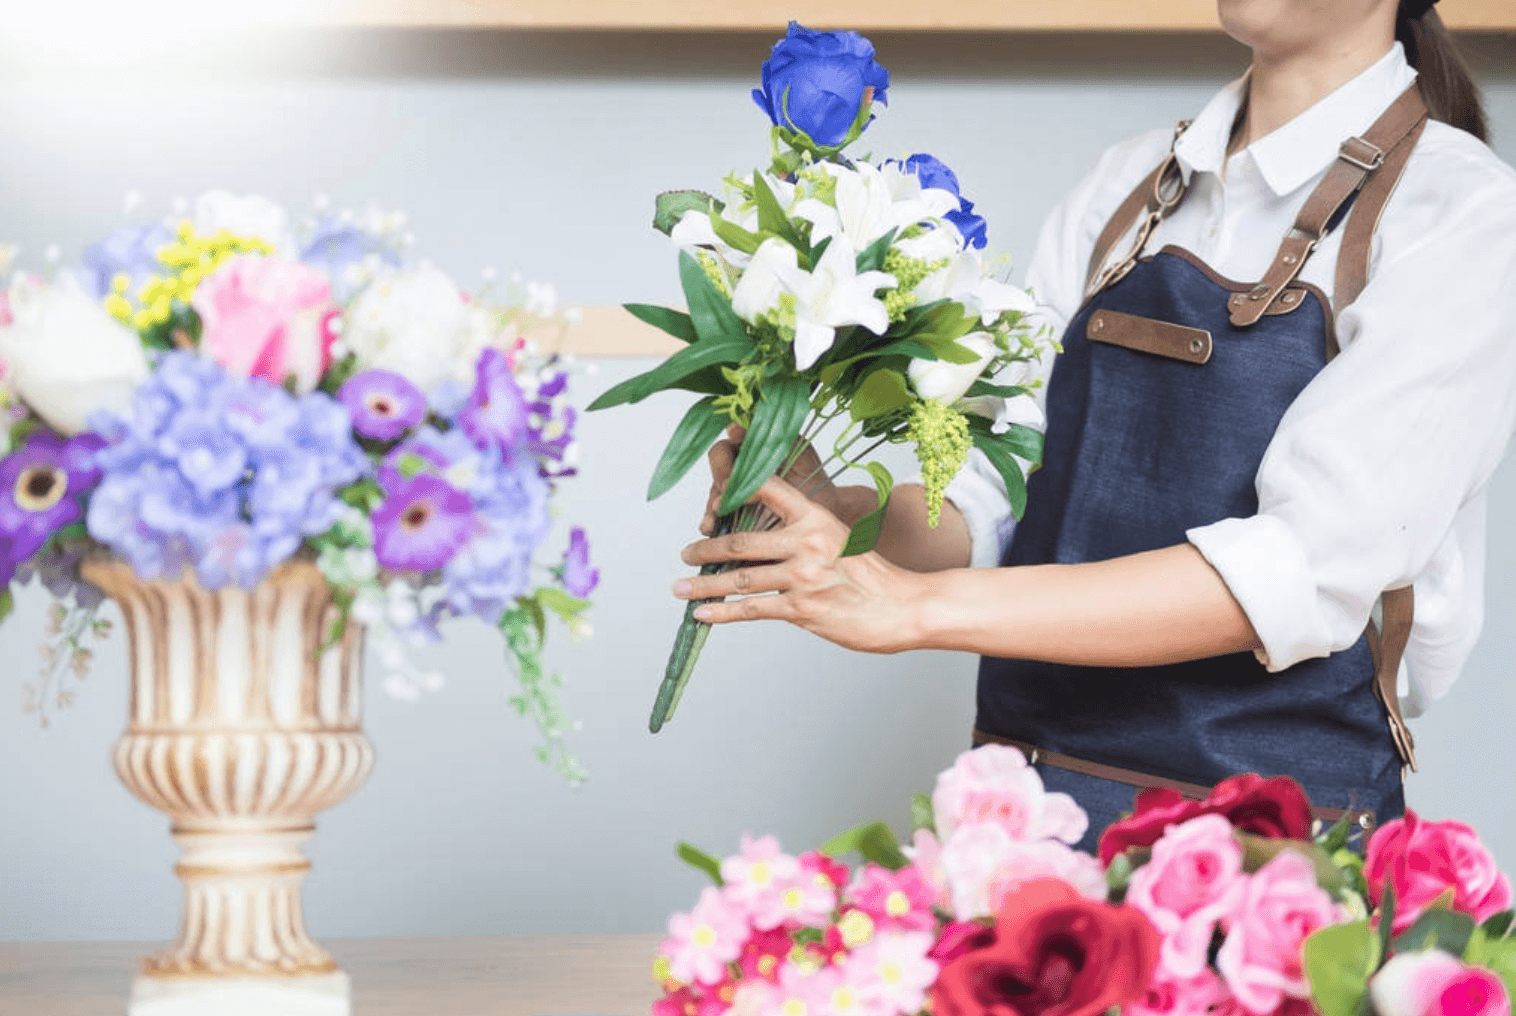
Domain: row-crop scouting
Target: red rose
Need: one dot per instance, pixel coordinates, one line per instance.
(1055, 953)
(959, 938)
(1422, 860)
(1275, 808)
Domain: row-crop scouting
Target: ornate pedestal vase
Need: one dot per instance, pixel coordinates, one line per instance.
(241, 730)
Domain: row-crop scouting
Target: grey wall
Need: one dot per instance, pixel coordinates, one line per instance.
(543, 153)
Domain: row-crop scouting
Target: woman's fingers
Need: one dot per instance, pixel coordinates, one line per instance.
(777, 545)
(753, 608)
(741, 582)
(784, 500)
(721, 457)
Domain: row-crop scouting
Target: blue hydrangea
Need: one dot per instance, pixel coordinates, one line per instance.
(222, 474)
(342, 249)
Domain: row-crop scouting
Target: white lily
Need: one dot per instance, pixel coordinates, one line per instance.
(946, 382)
(865, 208)
(964, 280)
(694, 228)
(832, 295)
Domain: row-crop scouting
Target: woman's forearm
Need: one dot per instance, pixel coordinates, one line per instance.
(906, 538)
(1164, 606)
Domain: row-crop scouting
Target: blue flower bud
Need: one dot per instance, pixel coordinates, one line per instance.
(819, 82)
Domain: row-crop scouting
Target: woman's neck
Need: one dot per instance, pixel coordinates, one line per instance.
(1282, 86)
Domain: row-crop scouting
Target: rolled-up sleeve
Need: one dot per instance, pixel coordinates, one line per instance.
(1376, 467)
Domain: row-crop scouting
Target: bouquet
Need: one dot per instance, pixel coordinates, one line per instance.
(1235, 905)
(831, 289)
(218, 392)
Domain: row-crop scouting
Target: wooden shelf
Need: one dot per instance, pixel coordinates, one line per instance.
(881, 15)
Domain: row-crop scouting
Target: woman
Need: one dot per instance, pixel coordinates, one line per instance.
(1224, 501)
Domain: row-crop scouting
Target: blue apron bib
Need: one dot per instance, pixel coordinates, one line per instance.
(1146, 439)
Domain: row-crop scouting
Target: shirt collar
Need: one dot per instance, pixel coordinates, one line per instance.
(1292, 154)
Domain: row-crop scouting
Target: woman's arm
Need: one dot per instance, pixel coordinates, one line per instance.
(1165, 606)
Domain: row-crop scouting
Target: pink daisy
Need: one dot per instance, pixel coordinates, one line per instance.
(896, 900)
(702, 942)
(894, 969)
(758, 878)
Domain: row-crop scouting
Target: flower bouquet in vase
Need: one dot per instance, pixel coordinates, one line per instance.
(1238, 905)
(828, 293)
(265, 441)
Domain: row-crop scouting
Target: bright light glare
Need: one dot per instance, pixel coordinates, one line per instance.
(115, 32)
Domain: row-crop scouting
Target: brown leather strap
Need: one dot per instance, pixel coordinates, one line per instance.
(1154, 197)
(1114, 774)
(1362, 222)
(1122, 220)
(1357, 160)
(1397, 610)
(1149, 335)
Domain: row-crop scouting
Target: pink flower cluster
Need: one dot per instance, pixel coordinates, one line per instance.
(1194, 890)
(801, 936)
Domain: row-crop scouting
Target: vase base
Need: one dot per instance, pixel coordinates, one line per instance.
(312, 995)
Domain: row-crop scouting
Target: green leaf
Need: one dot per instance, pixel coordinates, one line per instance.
(1435, 928)
(1119, 873)
(865, 532)
(1499, 925)
(735, 236)
(1023, 441)
(1335, 838)
(7, 603)
(881, 392)
(874, 841)
(771, 216)
(670, 207)
(1338, 962)
(922, 816)
(705, 381)
(700, 426)
(950, 350)
(675, 322)
(561, 603)
(871, 258)
(777, 419)
(707, 353)
(1006, 465)
(983, 387)
(1386, 918)
(697, 858)
(904, 347)
(710, 312)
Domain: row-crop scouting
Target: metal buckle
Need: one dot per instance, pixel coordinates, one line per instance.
(1358, 152)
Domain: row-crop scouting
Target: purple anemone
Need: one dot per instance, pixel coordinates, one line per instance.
(577, 576)
(422, 524)
(383, 404)
(496, 412)
(40, 488)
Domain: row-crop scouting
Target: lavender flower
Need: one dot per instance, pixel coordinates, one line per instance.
(41, 487)
(347, 254)
(131, 251)
(422, 524)
(383, 404)
(550, 437)
(495, 415)
(576, 574)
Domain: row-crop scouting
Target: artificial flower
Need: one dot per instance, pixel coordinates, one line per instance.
(818, 83)
(1193, 882)
(495, 415)
(702, 942)
(936, 174)
(42, 485)
(894, 968)
(898, 900)
(1274, 808)
(422, 524)
(66, 358)
(1434, 983)
(131, 252)
(416, 322)
(984, 865)
(1205, 994)
(250, 216)
(383, 404)
(1261, 959)
(263, 317)
(758, 876)
(946, 382)
(864, 207)
(578, 577)
(994, 784)
(1423, 860)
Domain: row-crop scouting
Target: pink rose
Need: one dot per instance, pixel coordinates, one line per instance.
(1205, 994)
(994, 784)
(1193, 882)
(1261, 958)
(925, 853)
(263, 317)
(1423, 860)
(983, 864)
(1433, 983)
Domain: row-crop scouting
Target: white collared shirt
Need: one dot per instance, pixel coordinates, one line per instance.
(1375, 478)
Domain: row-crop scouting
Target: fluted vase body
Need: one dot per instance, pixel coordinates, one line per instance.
(241, 730)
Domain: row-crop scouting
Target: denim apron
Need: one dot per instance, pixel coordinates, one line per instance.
(1169, 389)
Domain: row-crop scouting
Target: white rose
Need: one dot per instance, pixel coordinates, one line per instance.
(250, 216)
(66, 357)
(946, 382)
(416, 323)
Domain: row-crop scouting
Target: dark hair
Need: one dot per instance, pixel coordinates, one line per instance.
(1441, 73)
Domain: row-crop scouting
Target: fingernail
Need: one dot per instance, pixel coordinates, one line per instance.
(702, 613)
(682, 587)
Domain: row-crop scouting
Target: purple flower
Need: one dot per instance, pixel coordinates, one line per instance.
(40, 490)
(337, 248)
(576, 575)
(131, 251)
(495, 415)
(383, 404)
(423, 523)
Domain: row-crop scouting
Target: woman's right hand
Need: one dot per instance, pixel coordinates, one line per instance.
(805, 475)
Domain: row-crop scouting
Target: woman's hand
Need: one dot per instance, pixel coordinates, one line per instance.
(861, 602)
(806, 475)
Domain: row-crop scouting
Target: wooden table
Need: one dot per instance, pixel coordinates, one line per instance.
(562, 975)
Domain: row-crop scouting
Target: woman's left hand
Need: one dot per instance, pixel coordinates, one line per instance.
(861, 602)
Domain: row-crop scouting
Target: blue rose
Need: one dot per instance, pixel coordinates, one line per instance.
(818, 83)
(934, 173)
